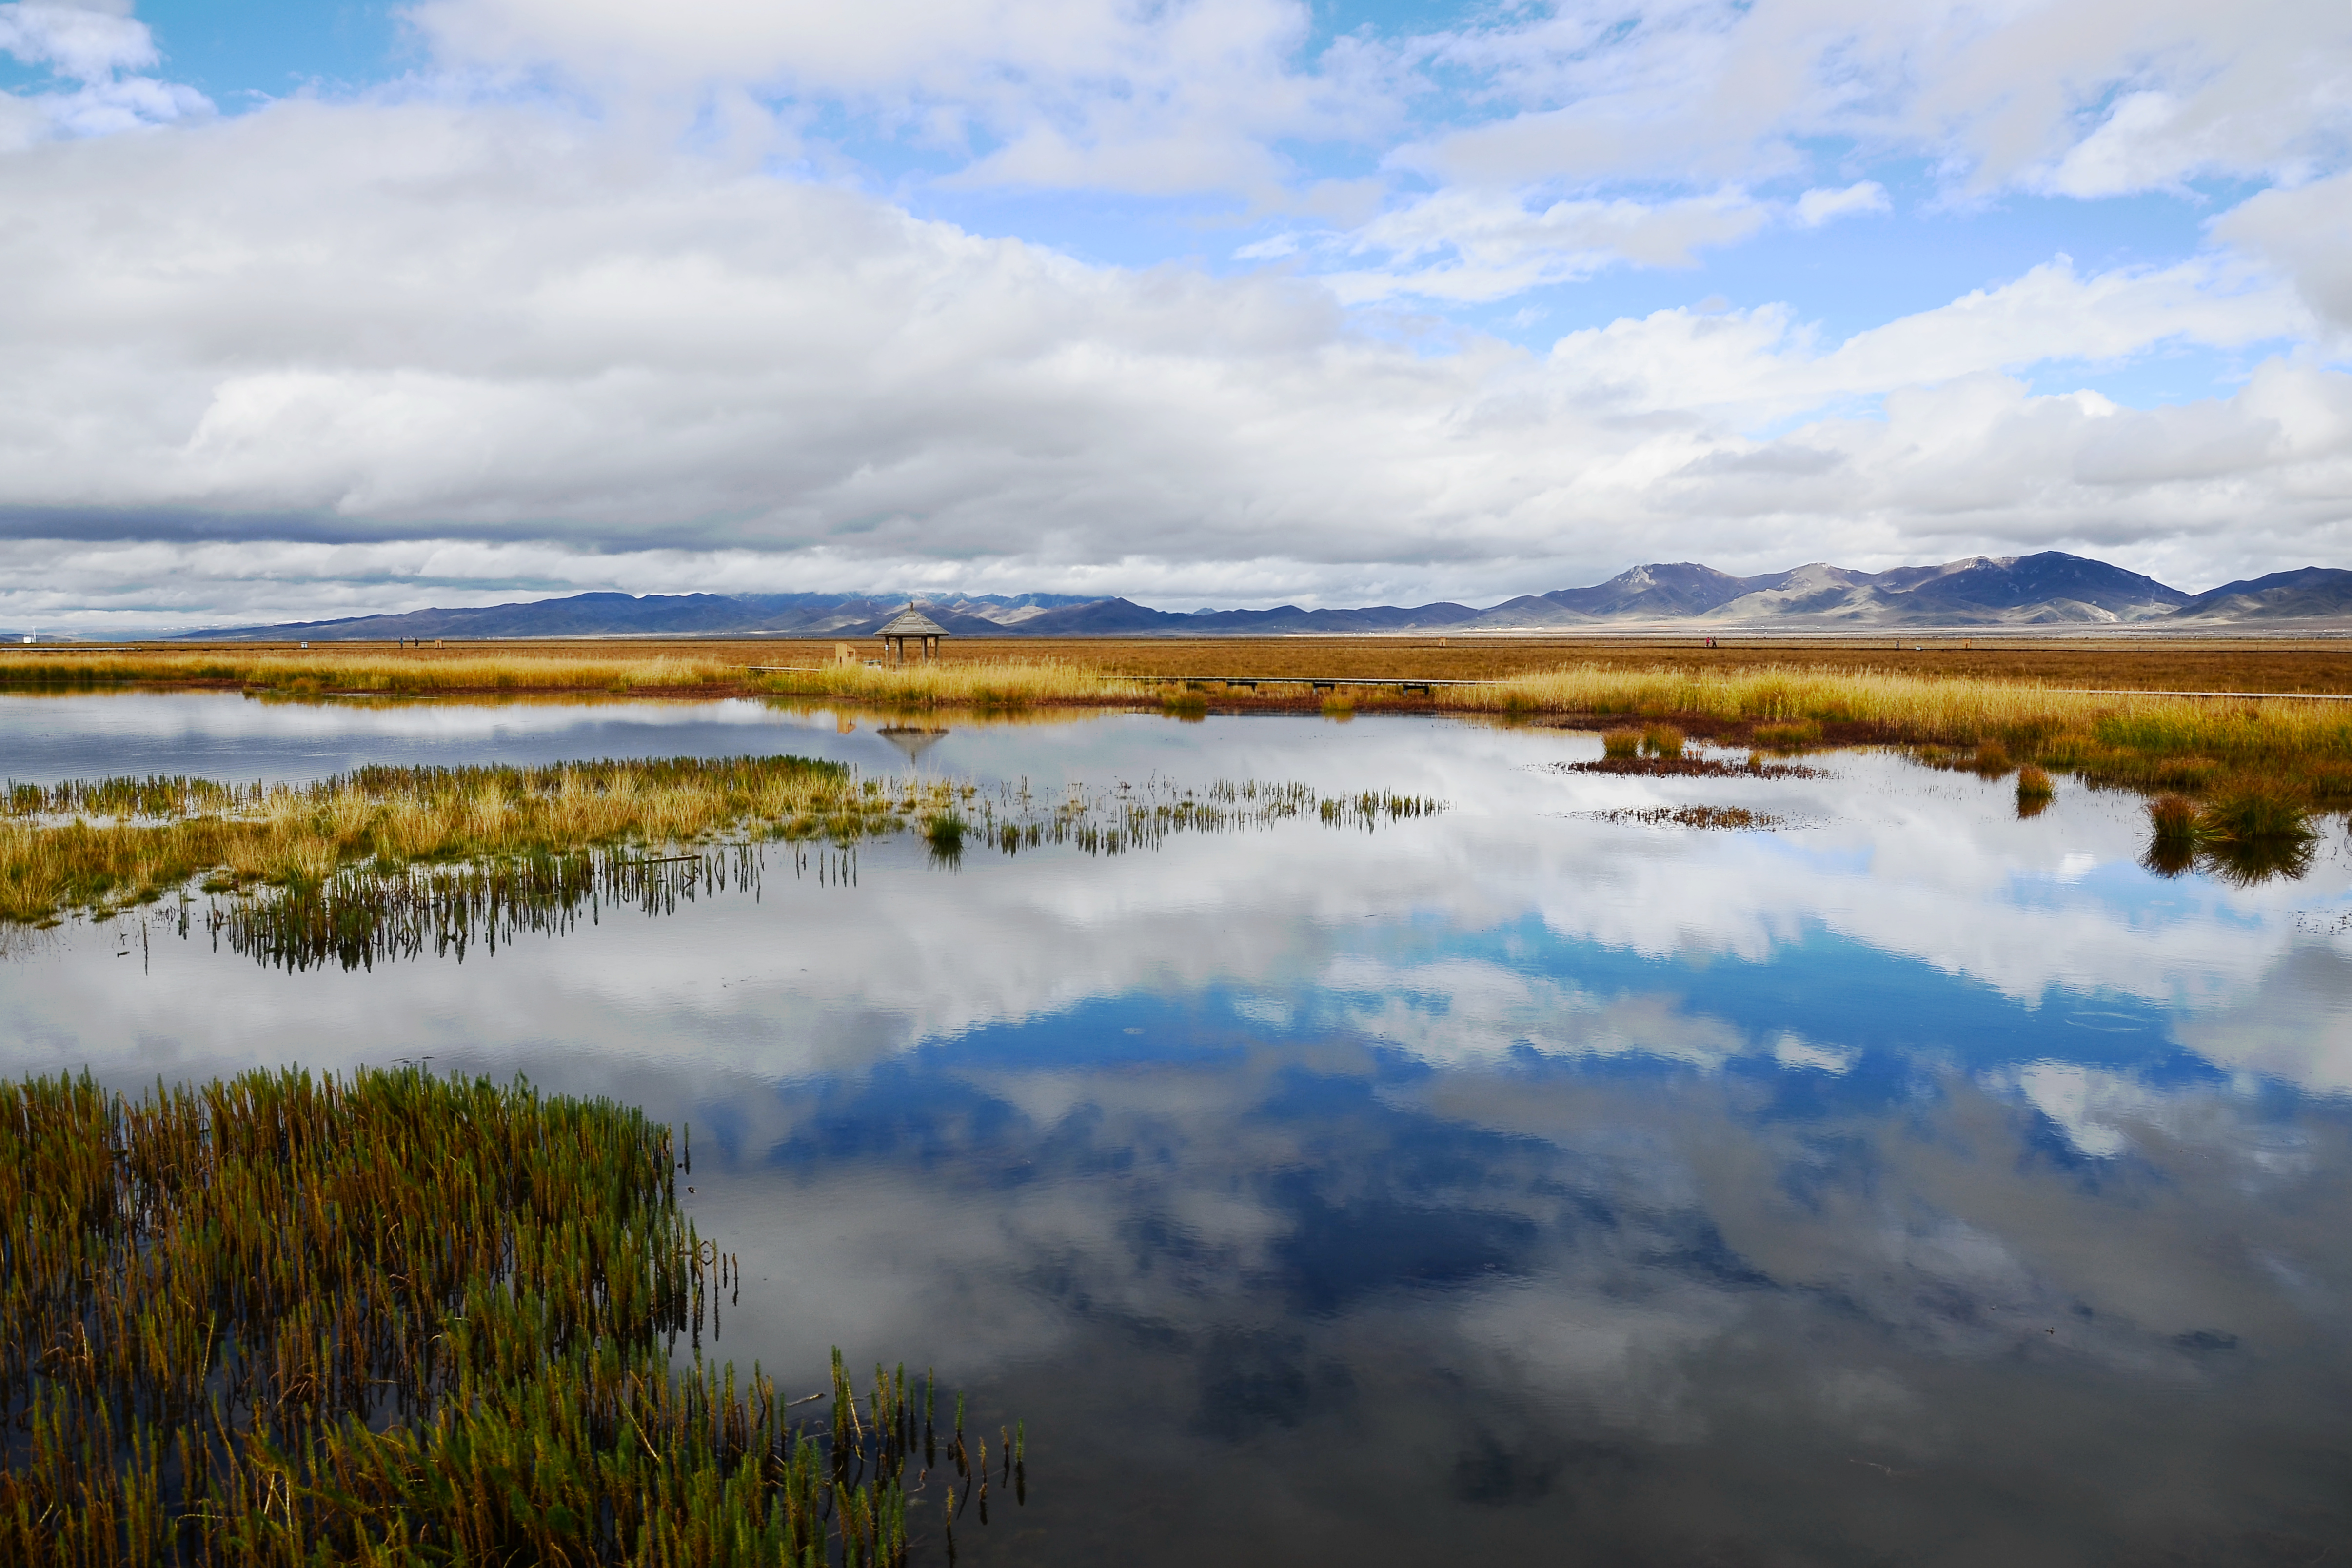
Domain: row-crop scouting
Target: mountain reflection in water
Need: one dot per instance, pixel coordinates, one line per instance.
(1911, 1182)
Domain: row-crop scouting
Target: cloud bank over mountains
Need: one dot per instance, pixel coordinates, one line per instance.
(1195, 303)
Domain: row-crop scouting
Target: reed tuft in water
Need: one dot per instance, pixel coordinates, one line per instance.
(2034, 791)
(2130, 740)
(395, 1319)
(2250, 833)
(1788, 735)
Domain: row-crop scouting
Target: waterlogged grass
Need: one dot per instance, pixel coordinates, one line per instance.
(992, 683)
(2148, 742)
(1736, 818)
(524, 669)
(2251, 832)
(2034, 791)
(374, 671)
(1788, 735)
(391, 863)
(2155, 743)
(159, 834)
(397, 1318)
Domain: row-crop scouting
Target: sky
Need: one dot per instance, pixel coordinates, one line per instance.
(332, 308)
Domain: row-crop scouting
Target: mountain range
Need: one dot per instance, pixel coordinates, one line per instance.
(2048, 590)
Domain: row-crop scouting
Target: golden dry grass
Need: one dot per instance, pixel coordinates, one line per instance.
(2170, 742)
(110, 843)
(373, 670)
(694, 666)
(2009, 695)
(596, 668)
(291, 835)
(993, 683)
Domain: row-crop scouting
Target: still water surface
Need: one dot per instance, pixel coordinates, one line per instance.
(1909, 1184)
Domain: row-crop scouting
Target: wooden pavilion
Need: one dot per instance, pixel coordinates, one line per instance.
(912, 625)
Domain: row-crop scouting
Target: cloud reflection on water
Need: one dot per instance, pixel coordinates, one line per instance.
(1446, 1183)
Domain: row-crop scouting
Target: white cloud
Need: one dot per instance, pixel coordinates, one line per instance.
(1819, 207)
(360, 325)
(92, 45)
(2092, 98)
(1466, 245)
(1179, 96)
(88, 43)
(2308, 234)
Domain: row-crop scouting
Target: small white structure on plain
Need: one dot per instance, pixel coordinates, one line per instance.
(912, 623)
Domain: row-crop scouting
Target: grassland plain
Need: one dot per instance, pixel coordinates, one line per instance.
(398, 1319)
(2030, 699)
(651, 667)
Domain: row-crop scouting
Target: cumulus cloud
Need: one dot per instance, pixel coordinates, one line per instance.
(2090, 99)
(1763, 365)
(1067, 94)
(86, 42)
(418, 322)
(451, 340)
(2306, 233)
(1471, 246)
(1818, 207)
(100, 47)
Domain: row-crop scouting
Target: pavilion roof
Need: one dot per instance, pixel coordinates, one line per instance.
(912, 623)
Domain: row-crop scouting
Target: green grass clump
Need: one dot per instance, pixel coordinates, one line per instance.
(1790, 735)
(1621, 743)
(1662, 741)
(2256, 811)
(2034, 791)
(394, 1319)
(2135, 740)
(943, 832)
(2248, 833)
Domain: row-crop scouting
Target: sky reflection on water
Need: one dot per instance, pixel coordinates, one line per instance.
(1912, 1184)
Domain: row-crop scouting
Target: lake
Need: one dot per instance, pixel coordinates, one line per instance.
(1906, 1181)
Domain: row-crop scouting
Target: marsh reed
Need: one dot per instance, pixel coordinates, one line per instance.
(979, 683)
(2129, 739)
(164, 832)
(2182, 744)
(396, 1319)
(2248, 833)
(374, 671)
(523, 669)
(388, 863)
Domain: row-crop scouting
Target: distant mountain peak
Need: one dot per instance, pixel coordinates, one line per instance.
(2049, 587)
